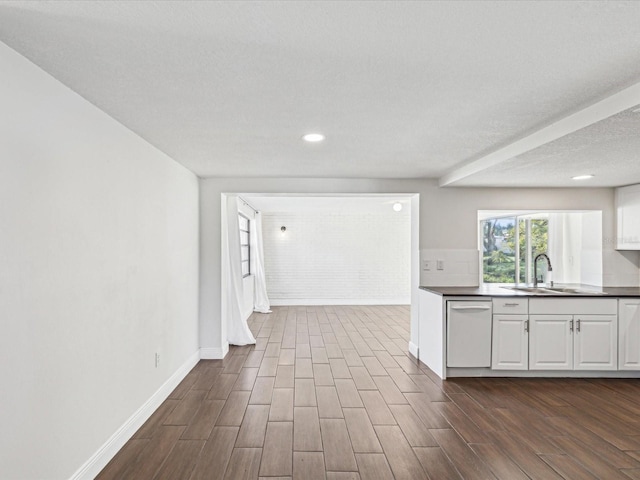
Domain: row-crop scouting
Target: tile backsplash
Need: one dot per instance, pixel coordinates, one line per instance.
(445, 268)
(621, 268)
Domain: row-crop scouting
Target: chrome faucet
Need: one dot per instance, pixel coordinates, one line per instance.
(535, 267)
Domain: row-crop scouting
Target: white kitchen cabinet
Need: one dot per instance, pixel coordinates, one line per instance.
(510, 350)
(573, 334)
(551, 342)
(588, 335)
(595, 342)
(629, 333)
(628, 218)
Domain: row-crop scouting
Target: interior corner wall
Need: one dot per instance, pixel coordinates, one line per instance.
(338, 258)
(98, 272)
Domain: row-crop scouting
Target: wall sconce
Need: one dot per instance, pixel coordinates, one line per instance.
(283, 229)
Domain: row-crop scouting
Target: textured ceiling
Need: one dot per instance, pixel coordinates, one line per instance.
(609, 150)
(401, 89)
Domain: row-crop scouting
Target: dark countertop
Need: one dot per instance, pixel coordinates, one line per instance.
(497, 291)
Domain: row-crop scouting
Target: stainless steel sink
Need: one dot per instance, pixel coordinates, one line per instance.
(533, 290)
(554, 290)
(574, 291)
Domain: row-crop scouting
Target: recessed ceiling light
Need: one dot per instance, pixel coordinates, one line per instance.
(313, 137)
(582, 177)
(397, 206)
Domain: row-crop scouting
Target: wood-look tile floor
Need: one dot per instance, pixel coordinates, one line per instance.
(331, 393)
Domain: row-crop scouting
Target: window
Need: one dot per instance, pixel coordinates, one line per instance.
(245, 251)
(509, 245)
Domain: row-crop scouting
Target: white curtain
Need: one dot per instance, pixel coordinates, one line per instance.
(238, 332)
(260, 298)
(564, 246)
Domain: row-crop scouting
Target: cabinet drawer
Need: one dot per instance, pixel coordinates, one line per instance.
(511, 306)
(573, 306)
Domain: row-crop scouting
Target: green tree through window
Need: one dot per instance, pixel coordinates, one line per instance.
(509, 246)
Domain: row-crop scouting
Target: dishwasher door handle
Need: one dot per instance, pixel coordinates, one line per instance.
(471, 307)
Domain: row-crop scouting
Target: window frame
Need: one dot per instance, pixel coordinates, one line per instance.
(518, 231)
(248, 244)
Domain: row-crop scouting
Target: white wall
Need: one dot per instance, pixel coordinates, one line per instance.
(98, 271)
(448, 220)
(338, 258)
(450, 267)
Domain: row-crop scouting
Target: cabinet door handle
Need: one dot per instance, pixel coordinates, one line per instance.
(578, 325)
(471, 307)
(526, 326)
(571, 325)
(511, 304)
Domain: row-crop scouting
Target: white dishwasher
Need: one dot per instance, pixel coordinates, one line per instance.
(468, 333)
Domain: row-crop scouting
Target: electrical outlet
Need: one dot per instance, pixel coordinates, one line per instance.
(426, 265)
(157, 359)
(440, 265)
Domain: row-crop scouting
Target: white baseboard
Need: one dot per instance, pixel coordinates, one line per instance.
(283, 302)
(106, 452)
(413, 349)
(487, 372)
(214, 353)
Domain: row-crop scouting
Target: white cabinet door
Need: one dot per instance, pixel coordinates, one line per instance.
(595, 342)
(551, 342)
(510, 350)
(629, 334)
(628, 217)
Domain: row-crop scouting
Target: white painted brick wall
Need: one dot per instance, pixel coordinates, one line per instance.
(337, 258)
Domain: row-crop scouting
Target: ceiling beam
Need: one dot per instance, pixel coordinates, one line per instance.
(616, 103)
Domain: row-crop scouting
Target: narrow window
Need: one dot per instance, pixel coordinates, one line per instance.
(245, 251)
(498, 250)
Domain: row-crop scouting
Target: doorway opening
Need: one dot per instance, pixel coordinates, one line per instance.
(347, 249)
